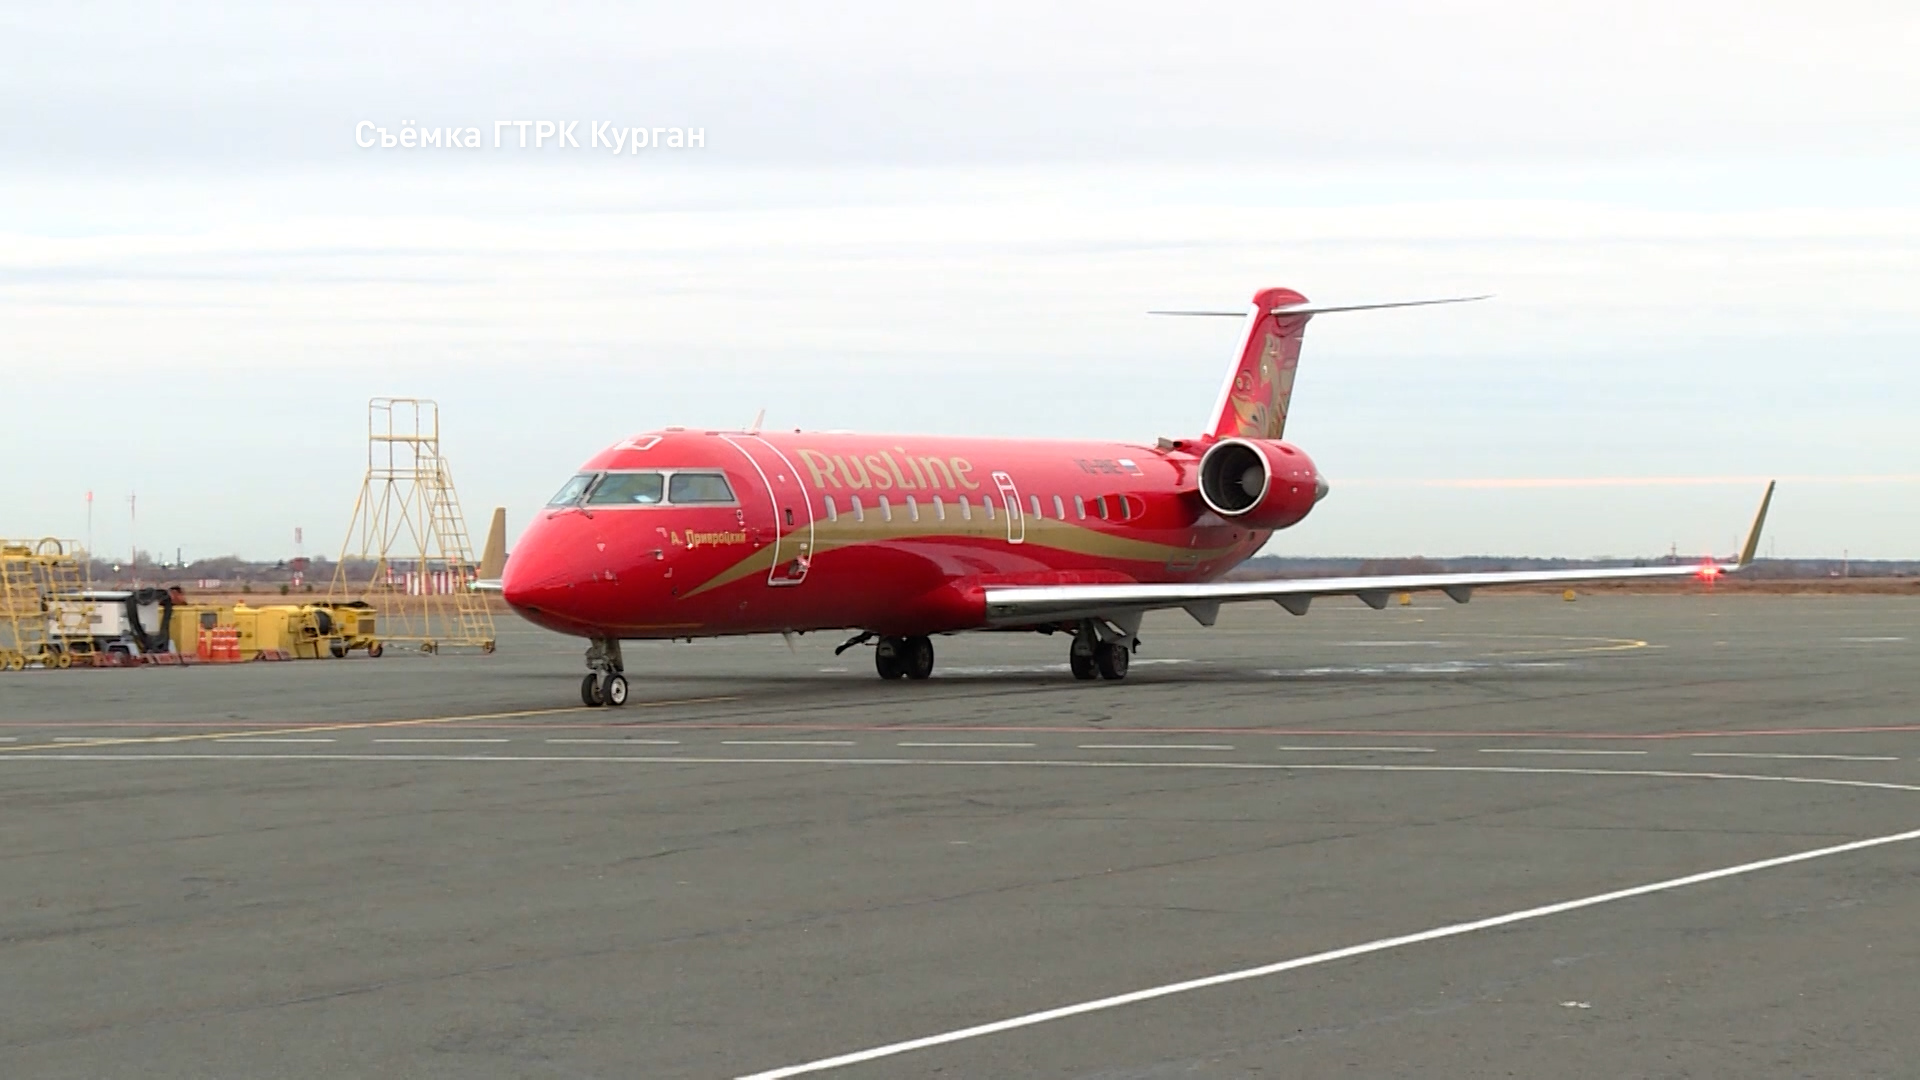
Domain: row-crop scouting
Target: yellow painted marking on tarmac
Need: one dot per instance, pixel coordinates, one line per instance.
(359, 725)
(1613, 645)
(1605, 644)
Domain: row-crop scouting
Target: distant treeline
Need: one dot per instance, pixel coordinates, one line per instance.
(229, 568)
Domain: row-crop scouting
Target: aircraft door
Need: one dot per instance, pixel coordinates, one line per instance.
(1016, 518)
(792, 534)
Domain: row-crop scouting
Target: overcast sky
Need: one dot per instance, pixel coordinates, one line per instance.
(1702, 222)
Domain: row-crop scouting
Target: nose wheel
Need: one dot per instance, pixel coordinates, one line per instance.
(604, 685)
(599, 689)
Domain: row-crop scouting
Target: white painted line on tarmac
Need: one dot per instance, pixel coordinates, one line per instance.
(270, 739)
(1154, 746)
(1359, 749)
(1561, 750)
(617, 742)
(787, 742)
(440, 740)
(1331, 956)
(9, 738)
(972, 745)
(1871, 640)
(1797, 757)
(78, 738)
(116, 753)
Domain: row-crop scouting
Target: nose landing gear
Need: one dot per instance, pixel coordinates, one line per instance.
(604, 684)
(599, 689)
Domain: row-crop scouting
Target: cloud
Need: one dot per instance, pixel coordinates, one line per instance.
(1699, 222)
(219, 87)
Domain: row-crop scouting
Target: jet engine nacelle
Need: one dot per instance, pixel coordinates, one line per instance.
(1260, 483)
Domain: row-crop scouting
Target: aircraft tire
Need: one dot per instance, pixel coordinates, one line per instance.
(1111, 659)
(916, 657)
(614, 690)
(1082, 665)
(590, 691)
(887, 659)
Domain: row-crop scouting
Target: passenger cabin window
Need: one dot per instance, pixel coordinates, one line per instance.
(570, 494)
(629, 489)
(886, 509)
(832, 513)
(1100, 507)
(1080, 507)
(966, 509)
(697, 487)
(939, 508)
(1059, 508)
(859, 512)
(987, 501)
(913, 509)
(1034, 501)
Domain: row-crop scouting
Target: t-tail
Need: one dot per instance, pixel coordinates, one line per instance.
(1259, 389)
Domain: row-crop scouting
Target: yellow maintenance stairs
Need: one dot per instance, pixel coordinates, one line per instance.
(34, 573)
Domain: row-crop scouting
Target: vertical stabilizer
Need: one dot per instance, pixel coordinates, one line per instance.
(493, 558)
(1259, 389)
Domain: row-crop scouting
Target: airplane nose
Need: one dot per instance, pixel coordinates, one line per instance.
(528, 590)
(539, 575)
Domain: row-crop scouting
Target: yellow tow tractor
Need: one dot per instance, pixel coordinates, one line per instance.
(350, 624)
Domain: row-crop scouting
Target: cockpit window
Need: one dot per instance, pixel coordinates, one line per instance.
(693, 487)
(570, 494)
(628, 489)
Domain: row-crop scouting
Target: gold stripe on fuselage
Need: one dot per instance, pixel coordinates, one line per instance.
(1048, 533)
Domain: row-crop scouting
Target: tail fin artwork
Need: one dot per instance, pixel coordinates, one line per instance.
(1259, 390)
(1253, 404)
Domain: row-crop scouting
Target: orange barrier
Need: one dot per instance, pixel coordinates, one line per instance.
(219, 644)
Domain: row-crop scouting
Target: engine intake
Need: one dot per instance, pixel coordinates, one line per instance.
(1261, 483)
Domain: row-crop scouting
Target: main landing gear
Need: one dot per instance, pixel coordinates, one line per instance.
(604, 684)
(1100, 655)
(1102, 649)
(911, 657)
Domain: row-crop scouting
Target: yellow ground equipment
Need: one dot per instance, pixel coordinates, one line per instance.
(409, 538)
(353, 626)
(192, 620)
(33, 574)
(292, 631)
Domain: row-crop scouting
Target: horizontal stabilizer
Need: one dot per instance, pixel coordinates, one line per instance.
(1308, 308)
(1322, 309)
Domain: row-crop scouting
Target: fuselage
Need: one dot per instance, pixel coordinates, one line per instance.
(893, 534)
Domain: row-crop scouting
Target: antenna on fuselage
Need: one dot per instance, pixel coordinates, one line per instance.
(758, 418)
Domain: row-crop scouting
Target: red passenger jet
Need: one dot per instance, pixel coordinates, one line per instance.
(684, 534)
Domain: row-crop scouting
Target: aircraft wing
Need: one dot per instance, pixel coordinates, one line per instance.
(1023, 605)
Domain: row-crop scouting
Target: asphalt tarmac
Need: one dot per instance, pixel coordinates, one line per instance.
(1638, 836)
